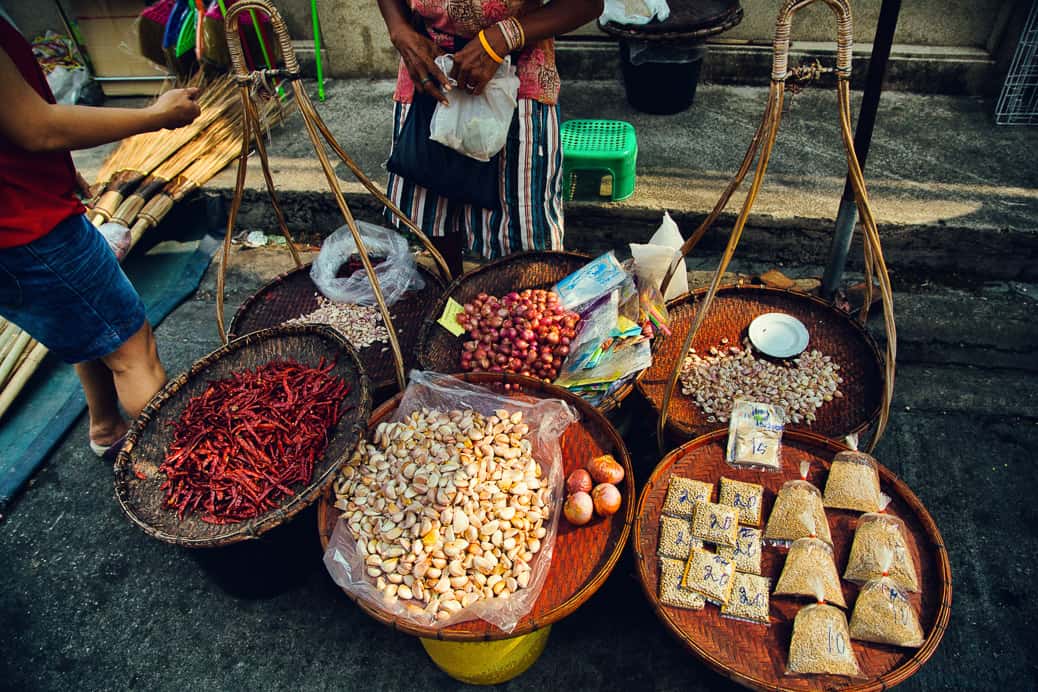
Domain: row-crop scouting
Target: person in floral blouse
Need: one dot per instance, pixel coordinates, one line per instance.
(530, 176)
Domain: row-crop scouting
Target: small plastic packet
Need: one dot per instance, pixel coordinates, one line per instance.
(747, 551)
(596, 278)
(853, 483)
(683, 494)
(755, 435)
(749, 599)
(821, 643)
(748, 498)
(796, 500)
(809, 566)
(710, 575)
(671, 591)
(717, 524)
(676, 540)
(878, 533)
(883, 614)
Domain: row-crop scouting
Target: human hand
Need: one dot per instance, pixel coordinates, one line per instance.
(85, 189)
(419, 53)
(473, 67)
(176, 108)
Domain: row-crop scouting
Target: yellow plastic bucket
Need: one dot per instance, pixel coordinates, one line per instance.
(487, 663)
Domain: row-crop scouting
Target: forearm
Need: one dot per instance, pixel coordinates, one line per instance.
(396, 15)
(66, 127)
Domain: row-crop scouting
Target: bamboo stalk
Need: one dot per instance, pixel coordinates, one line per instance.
(11, 359)
(21, 376)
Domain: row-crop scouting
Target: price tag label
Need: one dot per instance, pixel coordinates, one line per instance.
(448, 320)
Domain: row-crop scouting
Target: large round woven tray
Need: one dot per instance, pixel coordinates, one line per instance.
(293, 294)
(755, 655)
(583, 556)
(440, 351)
(832, 331)
(137, 478)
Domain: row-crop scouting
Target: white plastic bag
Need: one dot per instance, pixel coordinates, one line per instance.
(634, 11)
(476, 126)
(118, 238)
(653, 259)
(547, 419)
(397, 273)
(67, 85)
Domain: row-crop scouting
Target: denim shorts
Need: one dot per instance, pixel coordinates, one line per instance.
(68, 292)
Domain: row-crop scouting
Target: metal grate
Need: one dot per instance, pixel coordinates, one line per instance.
(1018, 103)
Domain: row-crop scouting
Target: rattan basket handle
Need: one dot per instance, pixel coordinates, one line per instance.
(784, 27)
(280, 33)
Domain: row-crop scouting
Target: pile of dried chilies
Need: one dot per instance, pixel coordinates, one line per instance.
(239, 446)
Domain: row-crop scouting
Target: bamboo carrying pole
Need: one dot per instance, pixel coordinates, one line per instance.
(761, 147)
(316, 129)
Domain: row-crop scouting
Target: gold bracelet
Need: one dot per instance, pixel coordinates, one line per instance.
(490, 51)
(522, 33)
(512, 32)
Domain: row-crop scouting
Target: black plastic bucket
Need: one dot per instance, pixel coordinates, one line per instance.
(664, 83)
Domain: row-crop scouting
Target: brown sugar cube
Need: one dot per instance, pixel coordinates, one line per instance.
(676, 539)
(671, 591)
(717, 524)
(683, 494)
(747, 551)
(709, 575)
(745, 497)
(749, 598)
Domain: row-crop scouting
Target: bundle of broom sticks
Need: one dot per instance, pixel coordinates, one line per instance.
(138, 185)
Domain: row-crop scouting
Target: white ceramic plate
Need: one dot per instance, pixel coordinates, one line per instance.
(778, 335)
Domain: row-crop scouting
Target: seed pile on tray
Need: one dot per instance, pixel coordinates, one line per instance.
(240, 446)
(360, 324)
(527, 333)
(800, 386)
(447, 508)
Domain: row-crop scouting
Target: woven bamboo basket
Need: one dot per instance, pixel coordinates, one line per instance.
(256, 84)
(138, 480)
(440, 351)
(583, 556)
(832, 331)
(293, 294)
(755, 655)
(670, 359)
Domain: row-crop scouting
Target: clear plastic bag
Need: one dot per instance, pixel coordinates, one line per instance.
(755, 435)
(653, 259)
(547, 420)
(592, 281)
(476, 126)
(876, 535)
(883, 612)
(397, 273)
(821, 643)
(797, 513)
(634, 12)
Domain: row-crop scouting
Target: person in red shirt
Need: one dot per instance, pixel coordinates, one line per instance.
(59, 281)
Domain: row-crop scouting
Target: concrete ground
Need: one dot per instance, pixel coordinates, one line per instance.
(90, 602)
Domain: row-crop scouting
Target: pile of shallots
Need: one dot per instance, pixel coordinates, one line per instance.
(527, 333)
(603, 499)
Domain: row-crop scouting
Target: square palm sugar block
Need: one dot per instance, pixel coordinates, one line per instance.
(709, 575)
(671, 591)
(676, 539)
(747, 551)
(749, 599)
(717, 524)
(683, 494)
(853, 483)
(745, 497)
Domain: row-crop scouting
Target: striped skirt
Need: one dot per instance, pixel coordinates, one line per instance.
(530, 183)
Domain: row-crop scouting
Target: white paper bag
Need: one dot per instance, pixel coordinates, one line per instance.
(651, 260)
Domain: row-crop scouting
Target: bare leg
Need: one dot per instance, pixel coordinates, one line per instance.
(106, 422)
(137, 372)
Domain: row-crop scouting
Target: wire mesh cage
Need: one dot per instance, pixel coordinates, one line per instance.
(1018, 103)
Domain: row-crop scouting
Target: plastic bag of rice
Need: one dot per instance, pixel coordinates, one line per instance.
(795, 500)
(717, 524)
(883, 613)
(709, 575)
(676, 539)
(671, 591)
(749, 599)
(876, 534)
(747, 551)
(683, 494)
(853, 483)
(821, 643)
(809, 565)
(748, 498)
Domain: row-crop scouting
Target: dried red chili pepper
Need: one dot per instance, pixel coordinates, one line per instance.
(240, 446)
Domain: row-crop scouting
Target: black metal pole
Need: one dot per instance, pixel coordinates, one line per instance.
(847, 216)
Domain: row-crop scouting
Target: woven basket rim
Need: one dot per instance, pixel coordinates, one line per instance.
(610, 403)
(255, 527)
(574, 601)
(684, 432)
(933, 536)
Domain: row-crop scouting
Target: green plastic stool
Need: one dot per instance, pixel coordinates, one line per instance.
(600, 145)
